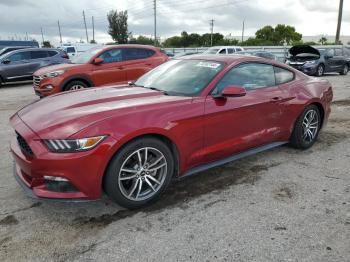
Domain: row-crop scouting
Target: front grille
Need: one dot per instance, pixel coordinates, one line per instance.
(24, 145)
(36, 81)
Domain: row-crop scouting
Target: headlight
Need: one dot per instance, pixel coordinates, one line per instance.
(73, 145)
(310, 62)
(52, 74)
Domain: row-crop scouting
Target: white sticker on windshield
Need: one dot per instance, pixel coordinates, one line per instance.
(208, 65)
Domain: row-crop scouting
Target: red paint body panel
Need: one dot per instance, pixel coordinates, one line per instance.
(202, 129)
(102, 74)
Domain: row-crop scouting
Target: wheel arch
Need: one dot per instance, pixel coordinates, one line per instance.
(321, 110)
(83, 78)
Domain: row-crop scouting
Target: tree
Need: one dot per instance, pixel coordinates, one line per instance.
(92, 41)
(46, 44)
(279, 35)
(141, 40)
(118, 26)
(323, 40)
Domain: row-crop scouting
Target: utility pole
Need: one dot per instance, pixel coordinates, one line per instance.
(87, 37)
(155, 21)
(340, 14)
(93, 30)
(27, 36)
(59, 30)
(42, 34)
(243, 31)
(211, 31)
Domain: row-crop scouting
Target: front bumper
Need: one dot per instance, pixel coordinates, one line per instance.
(41, 86)
(83, 171)
(309, 70)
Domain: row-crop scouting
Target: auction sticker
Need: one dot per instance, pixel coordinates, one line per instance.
(208, 65)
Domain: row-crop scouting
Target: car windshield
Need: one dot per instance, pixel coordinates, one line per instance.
(212, 51)
(85, 57)
(181, 77)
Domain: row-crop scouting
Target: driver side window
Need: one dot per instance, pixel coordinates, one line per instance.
(251, 76)
(112, 56)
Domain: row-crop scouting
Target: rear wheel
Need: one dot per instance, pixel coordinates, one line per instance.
(139, 173)
(320, 70)
(306, 128)
(345, 70)
(75, 85)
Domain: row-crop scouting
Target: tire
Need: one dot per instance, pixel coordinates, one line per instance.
(345, 70)
(131, 188)
(301, 138)
(75, 85)
(320, 70)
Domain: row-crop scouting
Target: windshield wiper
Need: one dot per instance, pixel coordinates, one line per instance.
(160, 90)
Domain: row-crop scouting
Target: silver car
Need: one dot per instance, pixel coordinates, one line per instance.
(19, 65)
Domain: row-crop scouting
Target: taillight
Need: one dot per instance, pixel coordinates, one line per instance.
(65, 55)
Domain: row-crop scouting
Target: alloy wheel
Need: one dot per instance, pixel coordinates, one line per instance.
(320, 70)
(142, 174)
(345, 70)
(76, 87)
(310, 126)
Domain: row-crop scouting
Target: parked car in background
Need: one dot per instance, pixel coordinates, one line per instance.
(314, 61)
(19, 65)
(9, 49)
(8, 43)
(183, 117)
(99, 66)
(78, 48)
(259, 53)
(225, 50)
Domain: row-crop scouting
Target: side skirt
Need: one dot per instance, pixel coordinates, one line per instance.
(235, 157)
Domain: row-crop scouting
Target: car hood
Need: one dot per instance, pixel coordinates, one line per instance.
(303, 49)
(61, 116)
(48, 69)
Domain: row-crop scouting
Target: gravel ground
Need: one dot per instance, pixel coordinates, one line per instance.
(280, 205)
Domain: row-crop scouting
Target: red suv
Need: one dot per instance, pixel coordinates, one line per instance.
(108, 65)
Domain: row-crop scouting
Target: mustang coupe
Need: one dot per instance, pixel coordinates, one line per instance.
(181, 118)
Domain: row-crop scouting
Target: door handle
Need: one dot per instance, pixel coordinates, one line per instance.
(120, 67)
(149, 64)
(276, 99)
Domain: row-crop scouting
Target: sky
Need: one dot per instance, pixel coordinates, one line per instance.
(309, 17)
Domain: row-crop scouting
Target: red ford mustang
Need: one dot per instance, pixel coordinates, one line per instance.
(182, 117)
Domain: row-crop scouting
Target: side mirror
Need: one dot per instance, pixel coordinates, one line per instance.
(97, 61)
(7, 61)
(233, 91)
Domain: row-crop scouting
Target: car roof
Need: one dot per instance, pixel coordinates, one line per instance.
(226, 46)
(32, 49)
(232, 59)
(130, 46)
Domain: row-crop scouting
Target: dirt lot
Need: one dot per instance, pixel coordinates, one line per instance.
(281, 205)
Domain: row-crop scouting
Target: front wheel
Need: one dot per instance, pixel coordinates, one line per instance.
(320, 70)
(139, 173)
(75, 85)
(345, 70)
(306, 128)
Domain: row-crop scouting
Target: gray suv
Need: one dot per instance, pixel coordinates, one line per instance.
(19, 65)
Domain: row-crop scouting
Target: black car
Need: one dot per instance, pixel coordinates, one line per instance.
(19, 65)
(314, 61)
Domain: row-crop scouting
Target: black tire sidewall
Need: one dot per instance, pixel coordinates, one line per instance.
(110, 182)
(318, 68)
(73, 83)
(296, 138)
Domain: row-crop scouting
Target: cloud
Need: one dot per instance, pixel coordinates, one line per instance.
(310, 17)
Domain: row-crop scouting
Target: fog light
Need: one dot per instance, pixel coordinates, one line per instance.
(48, 87)
(55, 178)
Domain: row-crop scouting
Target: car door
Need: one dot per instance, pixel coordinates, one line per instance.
(339, 57)
(39, 58)
(17, 66)
(112, 70)
(331, 61)
(235, 124)
(138, 61)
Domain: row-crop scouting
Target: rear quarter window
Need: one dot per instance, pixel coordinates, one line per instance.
(283, 75)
